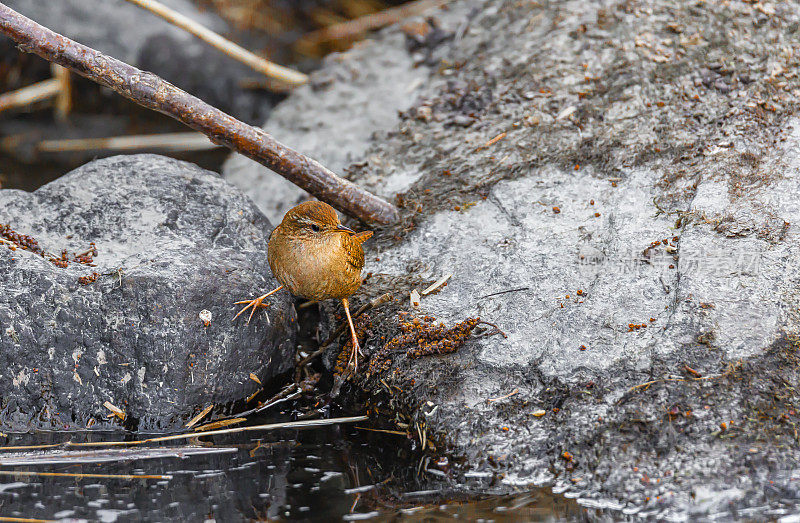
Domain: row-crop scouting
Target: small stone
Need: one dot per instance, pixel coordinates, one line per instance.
(415, 299)
(424, 113)
(566, 113)
(462, 120)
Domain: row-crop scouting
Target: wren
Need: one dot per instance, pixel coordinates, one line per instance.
(315, 257)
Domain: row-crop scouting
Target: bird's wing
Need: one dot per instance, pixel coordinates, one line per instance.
(361, 237)
(355, 254)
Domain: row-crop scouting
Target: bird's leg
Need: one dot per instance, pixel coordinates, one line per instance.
(255, 304)
(356, 349)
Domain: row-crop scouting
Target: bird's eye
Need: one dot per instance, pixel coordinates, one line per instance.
(315, 227)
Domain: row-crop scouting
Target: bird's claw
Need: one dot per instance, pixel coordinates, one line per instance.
(352, 362)
(255, 304)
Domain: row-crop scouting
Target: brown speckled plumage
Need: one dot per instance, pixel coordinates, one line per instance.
(314, 256)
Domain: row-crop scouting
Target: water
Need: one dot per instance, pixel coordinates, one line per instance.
(320, 474)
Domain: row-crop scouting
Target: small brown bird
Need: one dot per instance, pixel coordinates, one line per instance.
(315, 257)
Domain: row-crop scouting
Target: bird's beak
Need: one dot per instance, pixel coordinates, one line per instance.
(341, 227)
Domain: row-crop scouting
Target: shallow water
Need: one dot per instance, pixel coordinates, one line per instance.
(320, 474)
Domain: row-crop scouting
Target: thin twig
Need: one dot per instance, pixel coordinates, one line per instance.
(288, 393)
(35, 447)
(399, 433)
(504, 292)
(731, 368)
(307, 304)
(26, 520)
(218, 424)
(491, 400)
(173, 437)
(116, 411)
(148, 90)
(58, 87)
(63, 102)
(358, 27)
(274, 402)
(438, 283)
(279, 72)
(167, 142)
(664, 380)
(497, 330)
(380, 300)
(492, 141)
(313, 413)
(79, 475)
(30, 94)
(194, 421)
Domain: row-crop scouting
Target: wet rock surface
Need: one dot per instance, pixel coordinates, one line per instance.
(614, 184)
(134, 35)
(175, 247)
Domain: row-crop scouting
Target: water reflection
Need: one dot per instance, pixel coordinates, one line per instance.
(321, 474)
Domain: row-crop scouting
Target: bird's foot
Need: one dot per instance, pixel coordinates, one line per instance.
(255, 304)
(353, 361)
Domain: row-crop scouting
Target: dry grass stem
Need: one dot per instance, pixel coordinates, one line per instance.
(513, 392)
(279, 72)
(353, 29)
(30, 95)
(203, 413)
(173, 437)
(165, 142)
(219, 424)
(79, 475)
(438, 283)
(115, 411)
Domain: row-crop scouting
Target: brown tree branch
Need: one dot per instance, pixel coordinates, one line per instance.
(152, 92)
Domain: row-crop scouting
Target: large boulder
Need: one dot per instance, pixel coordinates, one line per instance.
(175, 247)
(616, 186)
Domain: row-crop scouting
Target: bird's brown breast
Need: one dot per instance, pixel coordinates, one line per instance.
(317, 268)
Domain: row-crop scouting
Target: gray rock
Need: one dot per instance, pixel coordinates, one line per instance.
(651, 361)
(172, 241)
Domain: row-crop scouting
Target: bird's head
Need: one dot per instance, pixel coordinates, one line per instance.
(316, 220)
